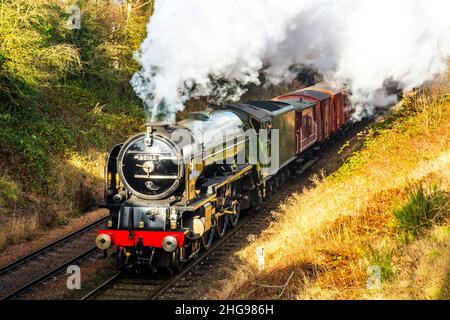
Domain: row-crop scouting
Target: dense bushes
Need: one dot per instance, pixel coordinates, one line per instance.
(50, 74)
(64, 95)
(31, 48)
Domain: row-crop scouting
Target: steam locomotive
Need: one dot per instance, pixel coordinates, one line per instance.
(173, 188)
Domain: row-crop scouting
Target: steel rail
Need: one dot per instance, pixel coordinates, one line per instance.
(49, 246)
(103, 287)
(50, 273)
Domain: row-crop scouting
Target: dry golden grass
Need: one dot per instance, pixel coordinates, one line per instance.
(328, 235)
(423, 268)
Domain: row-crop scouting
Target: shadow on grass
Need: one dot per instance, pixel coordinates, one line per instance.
(445, 288)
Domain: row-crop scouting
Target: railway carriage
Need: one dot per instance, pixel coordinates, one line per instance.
(331, 108)
(173, 188)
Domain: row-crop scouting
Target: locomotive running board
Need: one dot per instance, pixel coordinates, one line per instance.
(307, 165)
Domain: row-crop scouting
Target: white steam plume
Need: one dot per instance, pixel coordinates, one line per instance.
(193, 43)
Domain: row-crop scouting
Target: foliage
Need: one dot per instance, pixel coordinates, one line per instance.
(51, 77)
(424, 205)
(382, 258)
(31, 52)
(9, 191)
(65, 93)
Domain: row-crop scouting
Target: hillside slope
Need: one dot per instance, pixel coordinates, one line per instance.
(379, 227)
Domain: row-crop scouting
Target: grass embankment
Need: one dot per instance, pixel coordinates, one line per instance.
(379, 227)
(64, 101)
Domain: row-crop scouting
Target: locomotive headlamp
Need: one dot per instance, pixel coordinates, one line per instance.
(103, 241)
(109, 223)
(169, 243)
(173, 217)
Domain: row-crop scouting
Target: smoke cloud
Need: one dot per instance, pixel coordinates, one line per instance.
(217, 48)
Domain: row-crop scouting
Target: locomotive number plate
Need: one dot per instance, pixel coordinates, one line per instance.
(147, 157)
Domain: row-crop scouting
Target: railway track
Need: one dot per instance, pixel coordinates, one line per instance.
(21, 275)
(123, 286)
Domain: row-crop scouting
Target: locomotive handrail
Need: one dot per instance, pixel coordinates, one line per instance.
(157, 177)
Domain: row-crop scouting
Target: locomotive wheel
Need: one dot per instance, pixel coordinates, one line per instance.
(120, 259)
(207, 239)
(222, 224)
(175, 264)
(282, 176)
(276, 182)
(234, 218)
(269, 190)
(257, 201)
